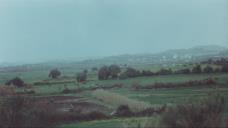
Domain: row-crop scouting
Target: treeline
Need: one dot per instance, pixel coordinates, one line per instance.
(115, 72)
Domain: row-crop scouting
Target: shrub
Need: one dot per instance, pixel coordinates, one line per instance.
(123, 111)
(6, 91)
(19, 112)
(55, 73)
(203, 114)
(18, 82)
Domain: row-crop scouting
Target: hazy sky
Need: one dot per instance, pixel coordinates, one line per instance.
(40, 30)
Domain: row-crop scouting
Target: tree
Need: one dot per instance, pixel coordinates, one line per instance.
(81, 77)
(55, 73)
(197, 69)
(104, 73)
(114, 71)
(208, 69)
(18, 82)
(131, 72)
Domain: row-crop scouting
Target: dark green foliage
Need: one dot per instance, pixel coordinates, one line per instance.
(18, 82)
(114, 71)
(208, 69)
(197, 69)
(55, 73)
(203, 114)
(104, 73)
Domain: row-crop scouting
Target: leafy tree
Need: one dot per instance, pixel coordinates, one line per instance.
(197, 69)
(104, 73)
(114, 71)
(55, 73)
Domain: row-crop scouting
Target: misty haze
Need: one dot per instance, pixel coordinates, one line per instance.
(113, 63)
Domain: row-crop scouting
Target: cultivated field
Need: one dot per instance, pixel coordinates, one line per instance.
(91, 104)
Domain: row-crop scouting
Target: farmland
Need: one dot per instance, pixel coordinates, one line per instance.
(65, 94)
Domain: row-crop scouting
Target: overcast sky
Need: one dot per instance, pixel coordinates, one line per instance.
(41, 30)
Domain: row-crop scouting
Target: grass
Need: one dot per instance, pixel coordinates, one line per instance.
(117, 100)
(160, 96)
(112, 123)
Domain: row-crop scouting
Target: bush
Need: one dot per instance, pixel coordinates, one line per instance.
(6, 91)
(203, 114)
(123, 111)
(19, 112)
(18, 82)
(55, 73)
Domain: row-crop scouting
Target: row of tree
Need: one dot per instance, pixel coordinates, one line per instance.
(115, 72)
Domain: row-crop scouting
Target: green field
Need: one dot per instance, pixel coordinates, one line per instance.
(149, 96)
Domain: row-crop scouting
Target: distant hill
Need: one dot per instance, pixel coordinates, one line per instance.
(169, 57)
